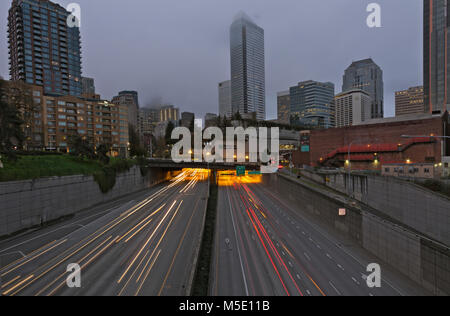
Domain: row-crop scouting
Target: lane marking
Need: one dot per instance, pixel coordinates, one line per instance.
(334, 288)
(237, 245)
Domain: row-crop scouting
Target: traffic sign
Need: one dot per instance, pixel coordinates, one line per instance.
(240, 171)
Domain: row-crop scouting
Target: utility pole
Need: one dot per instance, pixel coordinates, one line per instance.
(349, 168)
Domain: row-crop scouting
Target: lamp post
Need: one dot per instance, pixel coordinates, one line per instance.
(349, 167)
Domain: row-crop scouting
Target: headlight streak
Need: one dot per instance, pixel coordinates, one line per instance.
(27, 256)
(10, 282)
(98, 254)
(105, 229)
(190, 185)
(146, 243)
(148, 272)
(247, 200)
(178, 249)
(80, 261)
(34, 257)
(284, 246)
(112, 224)
(143, 273)
(16, 285)
(135, 227)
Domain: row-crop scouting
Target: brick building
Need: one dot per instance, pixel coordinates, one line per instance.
(55, 119)
(378, 142)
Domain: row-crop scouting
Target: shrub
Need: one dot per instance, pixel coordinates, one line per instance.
(433, 185)
(106, 179)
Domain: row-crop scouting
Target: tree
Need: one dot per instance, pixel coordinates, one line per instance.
(160, 147)
(81, 148)
(237, 116)
(136, 149)
(169, 129)
(102, 153)
(20, 96)
(11, 133)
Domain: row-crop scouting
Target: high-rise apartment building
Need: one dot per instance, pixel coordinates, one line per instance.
(210, 120)
(88, 86)
(58, 118)
(169, 113)
(225, 109)
(248, 88)
(367, 76)
(43, 49)
(131, 101)
(187, 119)
(352, 108)
(436, 45)
(312, 104)
(284, 107)
(409, 101)
(147, 119)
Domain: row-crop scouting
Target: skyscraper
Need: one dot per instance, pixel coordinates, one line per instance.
(187, 119)
(409, 101)
(435, 55)
(284, 107)
(43, 49)
(312, 103)
(169, 113)
(88, 85)
(131, 101)
(225, 108)
(247, 67)
(367, 76)
(352, 108)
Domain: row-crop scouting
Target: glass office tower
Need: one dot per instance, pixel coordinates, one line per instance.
(248, 86)
(367, 76)
(435, 55)
(312, 104)
(43, 49)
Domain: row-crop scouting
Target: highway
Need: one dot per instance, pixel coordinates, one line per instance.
(265, 246)
(145, 244)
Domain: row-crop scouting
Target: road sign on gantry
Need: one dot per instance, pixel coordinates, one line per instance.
(240, 171)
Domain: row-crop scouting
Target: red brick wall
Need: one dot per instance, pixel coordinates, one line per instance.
(299, 159)
(324, 142)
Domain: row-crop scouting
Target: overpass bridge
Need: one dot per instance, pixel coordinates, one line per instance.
(171, 165)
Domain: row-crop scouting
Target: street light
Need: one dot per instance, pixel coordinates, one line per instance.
(349, 160)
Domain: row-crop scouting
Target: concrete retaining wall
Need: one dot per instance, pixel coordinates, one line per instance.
(423, 261)
(421, 209)
(25, 204)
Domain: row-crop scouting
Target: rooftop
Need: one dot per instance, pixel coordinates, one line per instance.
(402, 118)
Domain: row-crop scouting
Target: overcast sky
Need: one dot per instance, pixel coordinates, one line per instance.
(178, 50)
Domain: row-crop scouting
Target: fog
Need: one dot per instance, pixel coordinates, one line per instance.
(177, 51)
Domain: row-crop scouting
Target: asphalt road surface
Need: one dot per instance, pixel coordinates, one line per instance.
(265, 246)
(144, 244)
